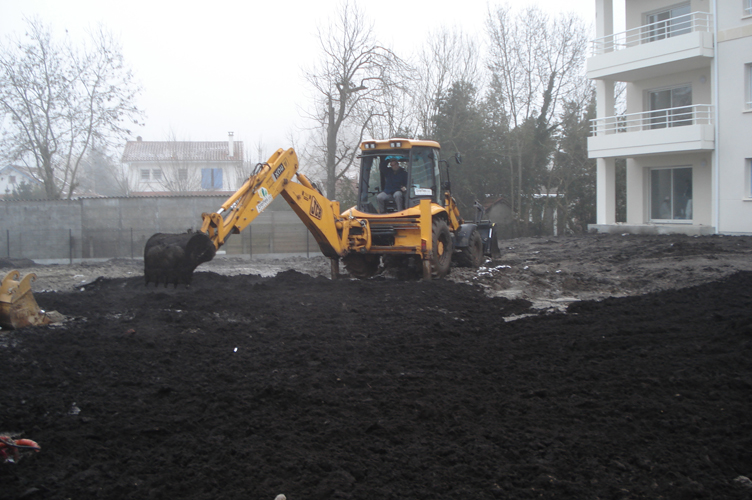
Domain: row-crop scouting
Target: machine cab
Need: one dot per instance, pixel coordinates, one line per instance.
(420, 159)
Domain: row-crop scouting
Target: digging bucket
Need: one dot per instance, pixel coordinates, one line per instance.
(18, 308)
(172, 258)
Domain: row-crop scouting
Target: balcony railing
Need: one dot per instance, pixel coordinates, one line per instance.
(697, 114)
(680, 25)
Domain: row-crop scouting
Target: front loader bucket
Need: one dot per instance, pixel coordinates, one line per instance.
(172, 258)
(18, 308)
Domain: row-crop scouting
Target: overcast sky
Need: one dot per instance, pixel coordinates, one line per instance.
(210, 67)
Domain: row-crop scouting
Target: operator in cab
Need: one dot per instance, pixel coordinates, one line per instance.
(395, 185)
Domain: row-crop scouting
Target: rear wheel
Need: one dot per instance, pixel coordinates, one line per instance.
(472, 256)
(361, 266)
(441, 256)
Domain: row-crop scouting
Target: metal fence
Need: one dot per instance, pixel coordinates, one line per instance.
(69, 245)
(697, 114)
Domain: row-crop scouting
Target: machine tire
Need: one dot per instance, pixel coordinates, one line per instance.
(361, 266)
(472, 256)
(441, 256)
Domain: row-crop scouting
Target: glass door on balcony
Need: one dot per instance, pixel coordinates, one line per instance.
(667, 23)
(671, 107)
(671, 193)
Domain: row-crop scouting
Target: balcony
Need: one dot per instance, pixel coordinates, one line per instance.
(673, 130)
(675, 45)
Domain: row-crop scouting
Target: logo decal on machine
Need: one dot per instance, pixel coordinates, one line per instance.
(266, 199)
(316, 210)
(278, 172)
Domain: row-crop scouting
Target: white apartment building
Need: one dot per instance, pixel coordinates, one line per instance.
(686, 134)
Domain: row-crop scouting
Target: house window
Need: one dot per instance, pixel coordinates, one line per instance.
(748, 85)
(145, 174)
(157, 174)
(670, 107)
(748, 7)
(12, 179)
(668, 23)
(748, 175)
(211, 178)
(183, 174)
(671, 193)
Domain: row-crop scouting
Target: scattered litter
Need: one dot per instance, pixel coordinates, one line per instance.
(235, 350)
(489, 271)
(74, 410)
(744, 481)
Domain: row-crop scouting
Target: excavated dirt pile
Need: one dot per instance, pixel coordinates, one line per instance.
(245, 387)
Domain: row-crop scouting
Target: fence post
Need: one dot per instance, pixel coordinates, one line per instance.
(306, 243)
(70, 245)
(271, 235)
(7, 240)
(250, 243)
(131, 243)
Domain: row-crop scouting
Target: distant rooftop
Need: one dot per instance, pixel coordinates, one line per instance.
(181, 151)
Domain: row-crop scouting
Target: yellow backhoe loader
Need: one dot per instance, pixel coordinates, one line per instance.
(425, 235)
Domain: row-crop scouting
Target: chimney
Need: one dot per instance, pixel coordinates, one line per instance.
(138, 138)
(230, 144)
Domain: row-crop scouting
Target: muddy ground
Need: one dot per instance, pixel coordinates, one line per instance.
(585, 367)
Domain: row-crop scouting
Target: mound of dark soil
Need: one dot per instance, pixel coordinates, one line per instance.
(246, 387)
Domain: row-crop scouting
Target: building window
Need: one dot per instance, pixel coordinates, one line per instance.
(183, 174)
(670, 107)
(671, 193)
(668, 23)
(211, 178)
(157, 174)
(748, 175)
(12, 179)
(145, 174)
(748, 7)
(748, 85)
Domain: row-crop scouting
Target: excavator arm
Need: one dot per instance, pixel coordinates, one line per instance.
(253, 197)
(172, 258)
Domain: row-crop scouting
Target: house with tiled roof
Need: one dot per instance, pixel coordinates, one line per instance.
(11, 178)
(184, 167)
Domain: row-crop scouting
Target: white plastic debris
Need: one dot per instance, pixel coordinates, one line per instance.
(744, 481)
(280, 497)
(235, 350)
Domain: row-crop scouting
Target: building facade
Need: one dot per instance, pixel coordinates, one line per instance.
(686, 129)
(12, 178)
(184, 167)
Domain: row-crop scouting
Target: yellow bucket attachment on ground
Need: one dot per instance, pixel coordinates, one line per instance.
(18, 308)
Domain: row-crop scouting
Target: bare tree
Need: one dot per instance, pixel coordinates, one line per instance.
(60, 98)
(526, 49)
(448, 57)
(536, 63)
(351, 84)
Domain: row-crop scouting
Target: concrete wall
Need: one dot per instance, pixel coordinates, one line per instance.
(104, 228)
